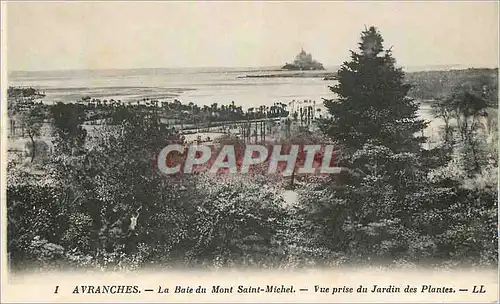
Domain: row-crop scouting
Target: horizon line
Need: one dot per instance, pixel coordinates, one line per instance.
(461, 66)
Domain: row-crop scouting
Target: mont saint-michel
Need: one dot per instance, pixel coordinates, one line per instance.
(303, 62)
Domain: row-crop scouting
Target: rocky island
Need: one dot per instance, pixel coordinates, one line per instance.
(303, 62)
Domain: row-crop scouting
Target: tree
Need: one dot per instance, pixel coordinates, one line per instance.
(31, 122)
(68, 120)
(443, 109)
(372, 102)
(376, 131)
(128, 202)
(393, 207)
(466, 105)
(236, 221)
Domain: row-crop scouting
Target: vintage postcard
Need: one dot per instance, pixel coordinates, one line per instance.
(239, 152)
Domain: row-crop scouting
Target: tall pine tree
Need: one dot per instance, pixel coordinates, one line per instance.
(377, 131)
(389, 210)
(372, 103)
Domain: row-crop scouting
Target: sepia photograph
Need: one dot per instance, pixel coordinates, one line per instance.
(264, 138)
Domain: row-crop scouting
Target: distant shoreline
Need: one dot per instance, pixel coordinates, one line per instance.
(238, 69)
(325, 75)
(333, 75)
(426, 85)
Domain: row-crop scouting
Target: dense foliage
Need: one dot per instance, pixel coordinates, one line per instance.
(372, 103)
(99, 200)
(431, 85)
(391, 210)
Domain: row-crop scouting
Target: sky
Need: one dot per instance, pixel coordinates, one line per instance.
(109, 35)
